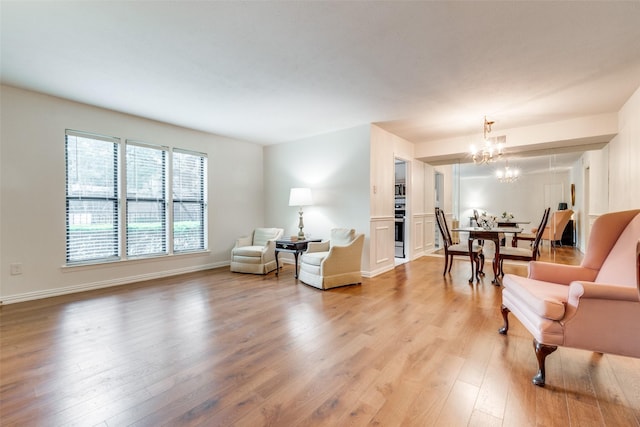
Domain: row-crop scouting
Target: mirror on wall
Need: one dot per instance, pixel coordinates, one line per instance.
(554, 180)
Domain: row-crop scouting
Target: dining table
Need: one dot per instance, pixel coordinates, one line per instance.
(502, 222)
(493, 234)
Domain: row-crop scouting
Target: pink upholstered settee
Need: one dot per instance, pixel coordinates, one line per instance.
(594, 306)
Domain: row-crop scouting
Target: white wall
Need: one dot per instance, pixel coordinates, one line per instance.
(624, 158)
(32, 180)
(336, 168)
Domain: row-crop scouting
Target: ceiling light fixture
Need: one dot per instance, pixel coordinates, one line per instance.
(507, 174)
(491, 149)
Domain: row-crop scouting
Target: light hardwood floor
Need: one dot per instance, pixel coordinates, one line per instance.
(409, 347)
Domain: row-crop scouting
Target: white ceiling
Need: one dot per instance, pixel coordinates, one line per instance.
(271, 72)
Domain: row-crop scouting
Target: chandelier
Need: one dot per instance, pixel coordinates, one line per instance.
(507, 174)
(492, 148)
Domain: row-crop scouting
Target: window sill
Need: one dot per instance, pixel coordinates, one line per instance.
(129, 261)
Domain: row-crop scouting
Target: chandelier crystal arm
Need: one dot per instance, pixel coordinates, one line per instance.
(491, 147)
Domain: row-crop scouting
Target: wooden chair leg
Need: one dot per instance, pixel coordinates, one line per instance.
(542, 351)
(446, 263)
(482, 264)
(505, 315)
(450, 263)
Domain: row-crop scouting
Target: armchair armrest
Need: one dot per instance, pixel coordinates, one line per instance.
(600, 302)
(560, 273)
(602, 291)
(269, 250)
(344, 259)
(243, 241)
(318, 246)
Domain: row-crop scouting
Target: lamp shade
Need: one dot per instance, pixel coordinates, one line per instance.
(300, 197)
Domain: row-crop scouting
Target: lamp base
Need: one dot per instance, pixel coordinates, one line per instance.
(300, 226)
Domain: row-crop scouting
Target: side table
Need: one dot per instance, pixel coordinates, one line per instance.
(295, 247)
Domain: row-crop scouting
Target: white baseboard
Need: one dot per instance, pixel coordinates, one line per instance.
(48, 293)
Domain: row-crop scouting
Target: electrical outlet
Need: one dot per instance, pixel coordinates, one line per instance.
(16, 268)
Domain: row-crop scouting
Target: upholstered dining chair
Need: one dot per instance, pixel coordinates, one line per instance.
(451, 249)
(256, 253)
(593, 306)
(525, 254)
(334, 262)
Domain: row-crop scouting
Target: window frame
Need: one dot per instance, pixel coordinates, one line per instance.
(162, 201)
(115, 199)
(121, 200)
(201, 200)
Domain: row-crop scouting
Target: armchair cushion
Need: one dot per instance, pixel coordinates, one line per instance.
(315, 258)
(249, 251)
(545, 299)
(262, 235)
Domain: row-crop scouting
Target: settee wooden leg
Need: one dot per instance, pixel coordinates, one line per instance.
(505, 316)
(542, 351)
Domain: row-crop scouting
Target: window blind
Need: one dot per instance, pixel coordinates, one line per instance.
(146, 177)
(91, 197)
(189, 201)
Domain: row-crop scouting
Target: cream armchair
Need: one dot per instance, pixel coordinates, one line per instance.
(594, 306)
(256, 253)
(333, 263)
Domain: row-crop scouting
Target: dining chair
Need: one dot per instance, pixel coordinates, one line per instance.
(524, 254)
(451, 249)
(476, 217)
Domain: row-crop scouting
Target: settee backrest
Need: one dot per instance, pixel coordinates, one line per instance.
(262, 235)
(619, 265)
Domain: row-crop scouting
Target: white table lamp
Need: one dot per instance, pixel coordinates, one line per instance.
(300, 197)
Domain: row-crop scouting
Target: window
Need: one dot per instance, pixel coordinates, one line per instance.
(146, 200)
(91, 197)
(189, 201)
(95, 180)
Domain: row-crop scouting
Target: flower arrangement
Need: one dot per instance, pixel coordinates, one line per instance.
(507, 215)
(486, 221)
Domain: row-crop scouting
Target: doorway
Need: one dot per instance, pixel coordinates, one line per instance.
(400, 210)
